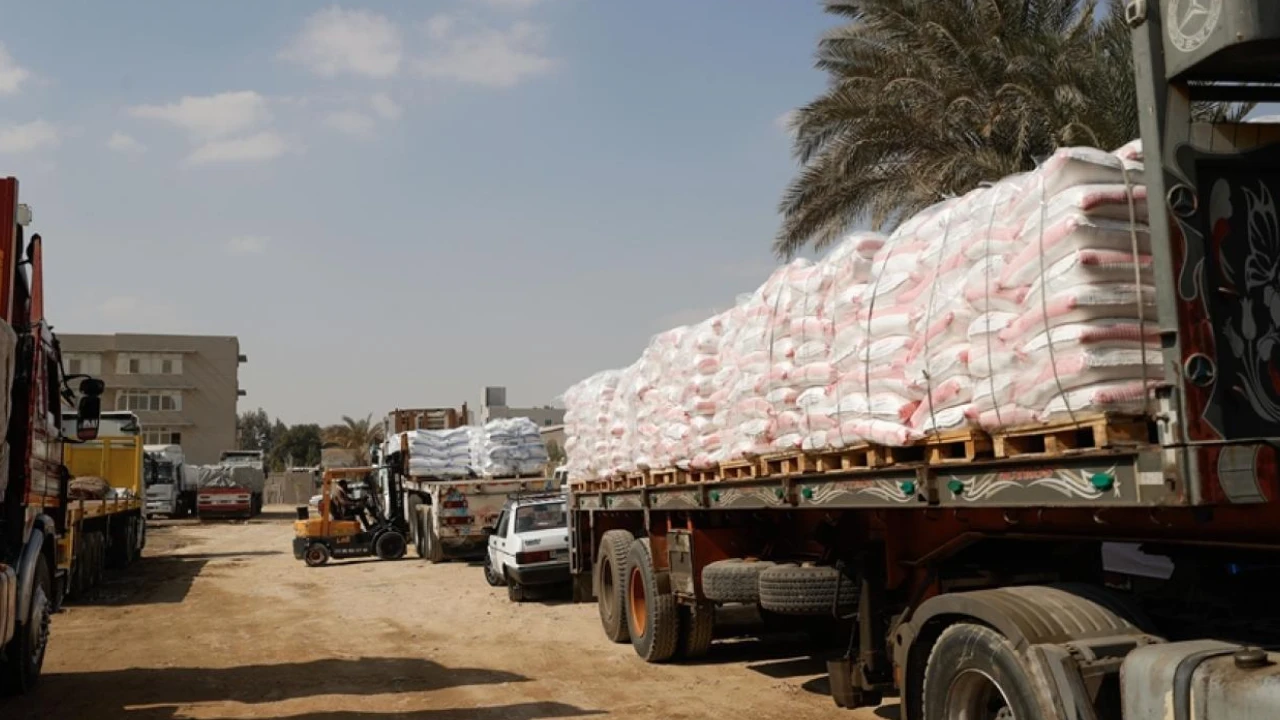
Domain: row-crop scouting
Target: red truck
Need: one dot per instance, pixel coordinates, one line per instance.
(1107, 568)
(36, 515)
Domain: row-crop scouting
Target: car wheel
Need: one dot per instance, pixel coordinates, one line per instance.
(490, 575)
(515, 591)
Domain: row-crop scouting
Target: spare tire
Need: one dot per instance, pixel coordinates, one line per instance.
(807, 590)
(734, 581)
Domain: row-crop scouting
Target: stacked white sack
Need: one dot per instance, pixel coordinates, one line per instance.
(944, 324)
(510, 447)
(707, 391)
(1086, 338)
(439, 453)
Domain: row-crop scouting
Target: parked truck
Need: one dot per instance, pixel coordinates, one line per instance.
(1105, 568)
(448, 517)
(39, 526)
(171, 489)
(233, 488)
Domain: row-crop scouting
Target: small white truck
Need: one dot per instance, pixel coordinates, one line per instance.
(530, 547)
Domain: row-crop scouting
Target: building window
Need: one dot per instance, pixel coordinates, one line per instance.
(161, 436)
(149, 364)
(152, 400)
(83, 363)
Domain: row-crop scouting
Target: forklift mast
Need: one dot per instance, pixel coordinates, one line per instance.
(1217, 250)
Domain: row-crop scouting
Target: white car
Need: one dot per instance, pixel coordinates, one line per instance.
(530, 547)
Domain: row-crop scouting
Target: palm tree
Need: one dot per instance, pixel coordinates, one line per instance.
(930, 98)
(355, 436)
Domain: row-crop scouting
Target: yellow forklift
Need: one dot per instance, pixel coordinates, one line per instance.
(352, 522)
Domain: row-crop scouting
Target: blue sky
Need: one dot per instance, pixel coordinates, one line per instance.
(393, 203)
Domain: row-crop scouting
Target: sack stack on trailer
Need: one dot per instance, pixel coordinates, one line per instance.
(1025, 302)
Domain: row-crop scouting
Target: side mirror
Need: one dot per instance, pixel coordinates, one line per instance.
(88, 417)
(92, 386)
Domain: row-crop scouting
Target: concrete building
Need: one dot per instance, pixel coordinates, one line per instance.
(183, 387)
(495, 407)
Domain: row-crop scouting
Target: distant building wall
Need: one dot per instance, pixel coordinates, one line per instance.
(494, 407)
(184, 388)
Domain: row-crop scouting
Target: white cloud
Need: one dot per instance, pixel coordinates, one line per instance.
(485, 56)
(28, 137)
(350, 122)
(247, 245)
(385, 107)
(334, 41)
(211, 116)
(125, 143)
(12, 75)
(265, 145)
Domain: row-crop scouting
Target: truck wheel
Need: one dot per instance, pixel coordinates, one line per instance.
(611, 565)
(807, 590)
(491, 576)
(697, 623)
(734, 581)
(432, 548)
(316, 555)
(390, 545)
(973, 672)
(652, 619)
(24, 656)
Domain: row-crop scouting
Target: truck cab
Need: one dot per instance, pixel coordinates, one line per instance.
(166, 481)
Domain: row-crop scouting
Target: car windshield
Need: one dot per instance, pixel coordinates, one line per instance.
(543, 516)
(160, 473)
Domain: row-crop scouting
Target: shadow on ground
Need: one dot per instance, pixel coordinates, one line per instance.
(163, 579)
(159, 693)
(518, 711)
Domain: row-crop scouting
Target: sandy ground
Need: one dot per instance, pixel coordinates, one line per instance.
(219, 621)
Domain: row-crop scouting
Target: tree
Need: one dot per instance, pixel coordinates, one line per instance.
(929, 98)
(356, 436)
(555, 453)
(298, 446)
(255, 431)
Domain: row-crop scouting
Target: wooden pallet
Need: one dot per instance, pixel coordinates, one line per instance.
(1099, 432)
(857, 457)
(737, 470)
(957, 446)
(788, 463)
(704, 475)
(637, 479)
(668, 476)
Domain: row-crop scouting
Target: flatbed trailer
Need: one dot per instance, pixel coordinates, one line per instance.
(1065, 577)
(102, 533)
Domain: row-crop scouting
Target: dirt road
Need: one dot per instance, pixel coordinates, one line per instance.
(219, 621)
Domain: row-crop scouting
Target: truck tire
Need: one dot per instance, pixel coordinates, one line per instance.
(697, 623)
(973, 671)
(411, 504)
(611, 569)
(652, 619)
(432, 548)
(734, 581)
(390, 545)
(315, 555)
(24, 655)
(806, 590)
